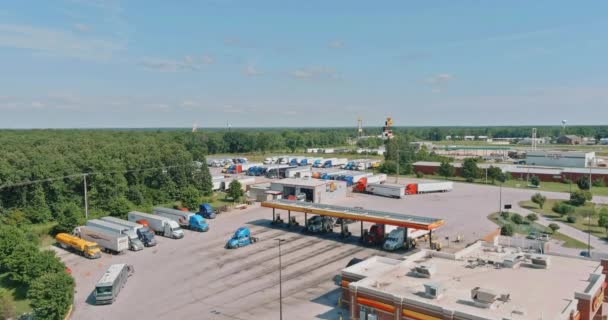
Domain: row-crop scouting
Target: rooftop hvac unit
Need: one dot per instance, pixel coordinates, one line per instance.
(425, 270)
(483, 297)
(432, 290)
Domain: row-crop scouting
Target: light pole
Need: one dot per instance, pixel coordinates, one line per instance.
(86, 201)
(280, 282)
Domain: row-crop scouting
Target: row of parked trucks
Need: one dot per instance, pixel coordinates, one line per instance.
(225, 161)
(115, 235)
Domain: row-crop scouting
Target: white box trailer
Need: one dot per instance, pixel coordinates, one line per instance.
(358, 176)
(109, 241)
(386, 189)
(442, 186)
(144, 233)
(134, 243)
(160, 225)
(340, 162)
(377, 178)
(243, 181)
(297, 172)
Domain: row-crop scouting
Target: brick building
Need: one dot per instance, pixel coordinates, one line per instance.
(480, 282)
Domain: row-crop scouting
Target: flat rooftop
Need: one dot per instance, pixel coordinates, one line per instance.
(537, 293)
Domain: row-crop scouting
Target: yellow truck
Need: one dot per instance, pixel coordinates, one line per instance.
(86, 248)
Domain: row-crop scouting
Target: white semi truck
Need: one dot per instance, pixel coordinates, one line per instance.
(144, 233)
(160, 225)
(134, 243)
(396, 238)
(109, 241)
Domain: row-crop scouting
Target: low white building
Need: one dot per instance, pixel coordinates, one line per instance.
(576, 159)
(316, 190)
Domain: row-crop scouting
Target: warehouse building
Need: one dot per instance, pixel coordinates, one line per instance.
(574, 159)
(480, 282)
(315, 190)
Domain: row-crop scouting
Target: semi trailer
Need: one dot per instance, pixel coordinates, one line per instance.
(134, 243)
(386, 189)
(360, 185)
(160, 225)
(428, 187)
(185, 219)
(107, 240)
(144, 233)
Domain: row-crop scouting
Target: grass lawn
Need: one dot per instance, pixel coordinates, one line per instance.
(17, 293)
(581, 223)
(520, 184)
(527, 228)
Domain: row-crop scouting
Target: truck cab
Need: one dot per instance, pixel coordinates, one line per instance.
(320, 224)
(242, 237)
(206, 210)
(146, 236)
(197, 223)
(303, 162)
(172, 228)
(135, 244)
(375, 235)
(88, 249)
(327, 164)
(395, 240)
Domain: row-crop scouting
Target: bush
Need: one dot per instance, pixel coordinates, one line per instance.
(507, 230)
(583, 183)
(562, 208)
(517, 218)
(505, 215)
(190, 197)
(578, 198)
(28, 263)
(535, 181)
(532, 217)
(419, 174)
(234, 190)
(566, 181)
(388, 167)
(554, 227)
(539, 199)
(51, 295)
(571, 219)
(10, 238)
(599, 182)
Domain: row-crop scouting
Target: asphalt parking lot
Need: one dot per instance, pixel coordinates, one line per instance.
(196, 278)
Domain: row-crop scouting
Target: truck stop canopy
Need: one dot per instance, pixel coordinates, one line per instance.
(381, 217)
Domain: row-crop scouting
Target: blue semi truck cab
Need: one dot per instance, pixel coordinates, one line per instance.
(206, 210)
(242, 237)
(197, 223)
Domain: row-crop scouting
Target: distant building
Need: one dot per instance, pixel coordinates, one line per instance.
(419, 144)
(604, 141)
(448, 137)
(528, 141)
(469, 138)
(560, 158)
(569, 139)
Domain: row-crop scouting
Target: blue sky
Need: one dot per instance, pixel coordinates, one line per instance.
(102, 63)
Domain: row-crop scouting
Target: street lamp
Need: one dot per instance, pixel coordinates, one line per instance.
(280, 282)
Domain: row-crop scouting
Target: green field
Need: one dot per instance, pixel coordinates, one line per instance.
(582, 223)
(521, 184)
(527, 228)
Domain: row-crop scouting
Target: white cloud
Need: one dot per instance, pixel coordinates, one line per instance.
(336, 44)
(315, 73)
(188, 63)
(251, 71)
(56, 42)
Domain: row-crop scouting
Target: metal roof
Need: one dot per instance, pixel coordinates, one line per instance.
(108, 278)
(390, 218)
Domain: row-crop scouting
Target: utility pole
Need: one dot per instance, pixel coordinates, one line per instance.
(280, 282)
(86, 202)
(397, 176)
(500, 198)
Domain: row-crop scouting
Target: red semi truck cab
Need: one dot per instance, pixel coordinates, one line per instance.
(411, 188)
(360, 186)
(375, 235)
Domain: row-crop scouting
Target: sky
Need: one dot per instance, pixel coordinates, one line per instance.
(109, 64)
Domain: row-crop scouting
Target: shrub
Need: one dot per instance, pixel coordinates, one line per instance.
(571, 219)
(578, 198)
(69, 218)
(583, 183)
(532, 217)
(505, 215)
(535, 181)
(507, 230)
(27, 263)
(51, 295)
(539, 199)
(554, 227)
(419, 174)
(566, 181)
(562, 208)
(517, 218)
(234, 190)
